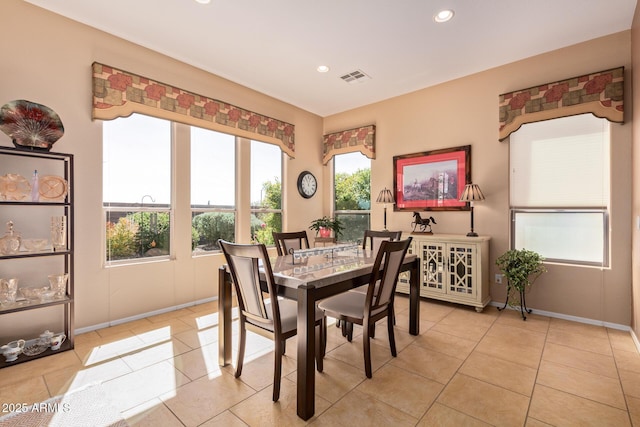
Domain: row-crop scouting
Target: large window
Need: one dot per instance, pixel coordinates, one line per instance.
(352, 181)
(137, 188)
(559, 189)
(266, 191)
(213, 177)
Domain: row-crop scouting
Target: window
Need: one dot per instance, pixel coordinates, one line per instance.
(352, 186)
(137, 188)
(266, 191)
(559, 189)
(213, 207)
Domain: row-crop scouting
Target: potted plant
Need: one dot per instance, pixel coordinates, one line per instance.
(521, 268)
(323, 226)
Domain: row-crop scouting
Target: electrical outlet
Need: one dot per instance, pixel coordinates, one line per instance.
(499, 279)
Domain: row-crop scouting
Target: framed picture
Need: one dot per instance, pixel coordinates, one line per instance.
(432, 180)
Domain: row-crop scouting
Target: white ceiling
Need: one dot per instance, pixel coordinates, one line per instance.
(274, 46)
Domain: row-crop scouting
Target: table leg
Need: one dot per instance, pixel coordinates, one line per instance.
(414, 299)
(224, 317)
(306, 351)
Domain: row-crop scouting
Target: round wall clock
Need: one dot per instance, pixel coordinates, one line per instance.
(307, 184)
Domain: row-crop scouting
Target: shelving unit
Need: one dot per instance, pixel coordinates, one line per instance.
(29, 318)
(453, 268)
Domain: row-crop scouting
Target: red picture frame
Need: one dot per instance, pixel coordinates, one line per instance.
(432, 180)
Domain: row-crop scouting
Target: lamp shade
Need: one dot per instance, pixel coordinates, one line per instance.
(385, 196)
(471, 193)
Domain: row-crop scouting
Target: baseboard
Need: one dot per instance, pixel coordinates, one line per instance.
(568, 317)
(142, 315)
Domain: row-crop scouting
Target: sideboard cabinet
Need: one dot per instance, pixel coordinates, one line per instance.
(453, 268)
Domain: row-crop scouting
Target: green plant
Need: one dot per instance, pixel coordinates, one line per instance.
(521, 268)
(326, 222)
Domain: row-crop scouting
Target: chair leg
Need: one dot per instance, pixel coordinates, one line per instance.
(349, 331)
(366, 343)
(324, 336)
(392, 338)
(277, 369)
(241, 347)
(284, 347)
(319, 347)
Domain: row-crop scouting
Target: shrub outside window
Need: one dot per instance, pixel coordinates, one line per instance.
(352, 189)
(266, 191)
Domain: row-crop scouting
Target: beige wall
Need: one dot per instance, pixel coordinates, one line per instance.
(635, 112)
(47, 59)
(465, 111)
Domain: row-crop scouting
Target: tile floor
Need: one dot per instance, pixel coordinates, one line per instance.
(465, 368)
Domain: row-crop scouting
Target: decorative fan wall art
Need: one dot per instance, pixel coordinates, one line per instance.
(30, 126)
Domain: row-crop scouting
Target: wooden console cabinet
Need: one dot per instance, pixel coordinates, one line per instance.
(453, 268)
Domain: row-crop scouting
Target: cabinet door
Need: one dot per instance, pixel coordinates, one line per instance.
(461, 270)
(433, 257)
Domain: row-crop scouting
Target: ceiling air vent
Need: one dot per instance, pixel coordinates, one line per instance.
(356, 76)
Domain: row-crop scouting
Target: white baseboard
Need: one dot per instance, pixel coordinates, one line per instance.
(142, 315)
(568, 317)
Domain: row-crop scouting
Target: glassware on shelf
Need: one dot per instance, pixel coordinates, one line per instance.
(59, 233)
(35, 192)
(10, 243)
(58, 283)
(8, 290)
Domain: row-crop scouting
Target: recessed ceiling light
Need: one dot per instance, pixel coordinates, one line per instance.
(443, 16)
(204, 1)
(322, 69)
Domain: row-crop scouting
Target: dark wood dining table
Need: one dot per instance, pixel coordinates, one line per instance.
(309, 280)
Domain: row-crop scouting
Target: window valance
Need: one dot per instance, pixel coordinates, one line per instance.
(600, 93)
(118, 93)
(361, 139)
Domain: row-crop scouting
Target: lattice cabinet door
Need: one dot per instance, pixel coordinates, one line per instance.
(461, 266)
(433, 256)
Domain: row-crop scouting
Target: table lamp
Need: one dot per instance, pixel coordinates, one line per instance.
(385, 197)
(470, 194)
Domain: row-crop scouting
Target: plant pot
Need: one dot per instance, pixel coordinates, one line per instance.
(325, 232)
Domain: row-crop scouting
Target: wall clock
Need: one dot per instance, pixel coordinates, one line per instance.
(307, 184)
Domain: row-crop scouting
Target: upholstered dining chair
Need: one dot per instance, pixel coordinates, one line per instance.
(292, 240)
(277, 317)
(373, 238)
(377, 303)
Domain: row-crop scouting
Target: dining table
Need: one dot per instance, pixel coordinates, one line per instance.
(309, 277)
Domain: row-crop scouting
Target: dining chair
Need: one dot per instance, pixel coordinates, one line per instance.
(292, 240)
(374, 238)
(377, 303)
(277, 317)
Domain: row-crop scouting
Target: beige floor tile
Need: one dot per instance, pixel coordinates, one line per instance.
(200, 320)
(580, 341)
(122, 329)
(530, 339)
(169, 315)
(211, 306)
(558, 408)
(71, 378)
(109, 349)
(155, 353)
(469, 315)
(577, 328)
(261, 410)
(489, 403)
(352, 353)
(427, 363)
(532, 422)
(359, 409)
(204, 398)
(534, 321)
(582, 383)
(445, 343)
(630, 382)
(581, 359)
(136, 388)
(336, 380)
(509, 375)
(466, 330)
(627, 360)
(633, 404)
(196, 338)
(402, 323)
(199, 362)
(621, 340)
(402, 389)
(443, 416)
(27, 391)
(169, 326)
(257, 372)
(434, 311)
(505, 349)
(225, 419)
(152, 414)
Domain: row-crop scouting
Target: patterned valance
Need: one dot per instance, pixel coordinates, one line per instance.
(349, 141)
(117, 93)
(599, 93)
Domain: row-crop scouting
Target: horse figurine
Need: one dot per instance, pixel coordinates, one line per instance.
(424, 223)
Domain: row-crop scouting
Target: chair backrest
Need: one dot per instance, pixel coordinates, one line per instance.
(375, 238)
(293, 240)
(386, 269)
(244, 262)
